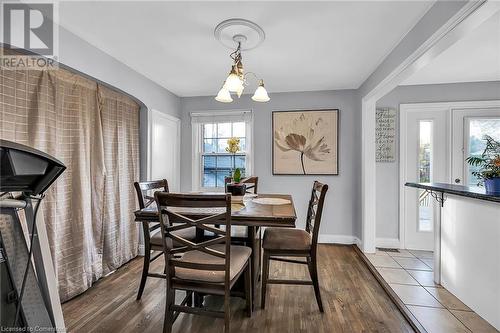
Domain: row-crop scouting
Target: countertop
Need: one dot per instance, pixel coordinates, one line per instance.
(464, 191)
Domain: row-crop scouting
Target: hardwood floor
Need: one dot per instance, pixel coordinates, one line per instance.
(352, 298)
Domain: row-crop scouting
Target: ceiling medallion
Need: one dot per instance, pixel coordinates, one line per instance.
(239, 35)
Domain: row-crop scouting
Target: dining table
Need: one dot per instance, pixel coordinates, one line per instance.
(253, 211)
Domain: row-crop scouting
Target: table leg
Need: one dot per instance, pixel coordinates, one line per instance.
(254, 242)
(259, 235)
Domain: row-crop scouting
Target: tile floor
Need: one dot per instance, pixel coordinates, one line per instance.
(410, 274)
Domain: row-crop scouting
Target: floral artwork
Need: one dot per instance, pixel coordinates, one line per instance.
(305, 142)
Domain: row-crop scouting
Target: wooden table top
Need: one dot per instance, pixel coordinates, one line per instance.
(247, 213)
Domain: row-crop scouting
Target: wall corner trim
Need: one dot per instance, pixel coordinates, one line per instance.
(391, 243)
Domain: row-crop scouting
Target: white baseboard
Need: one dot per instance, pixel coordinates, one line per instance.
(338, 239)
(391, 243)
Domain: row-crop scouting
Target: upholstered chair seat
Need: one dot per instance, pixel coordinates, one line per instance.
(286, 239)
(238, 258)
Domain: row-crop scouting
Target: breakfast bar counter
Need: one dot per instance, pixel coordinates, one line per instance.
(467, 245)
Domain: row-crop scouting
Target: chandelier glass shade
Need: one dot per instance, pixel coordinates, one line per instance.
(223, 96)
(234, 82)
(238, 79)
(261, 93)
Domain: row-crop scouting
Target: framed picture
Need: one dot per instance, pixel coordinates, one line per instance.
(305, 142)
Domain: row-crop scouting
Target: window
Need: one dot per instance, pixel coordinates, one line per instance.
(216, 162)
(478, 128)
(212, 163)
(425, 213)
(425, 151)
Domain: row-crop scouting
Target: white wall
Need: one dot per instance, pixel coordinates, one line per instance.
(388, 173)
(341, 211)
(470, 268)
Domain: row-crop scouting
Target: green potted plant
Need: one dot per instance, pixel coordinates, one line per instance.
(235, 187)
(489, 166)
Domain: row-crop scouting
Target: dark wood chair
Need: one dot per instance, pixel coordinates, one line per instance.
(210, 267)
(152, 234)
(251, 182)
(281, 242)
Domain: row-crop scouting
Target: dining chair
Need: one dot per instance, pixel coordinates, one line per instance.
(281, 242)
(152, 234)
(209, 267)
(251, 182)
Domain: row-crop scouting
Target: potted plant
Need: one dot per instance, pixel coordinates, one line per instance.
(235, 187)
(489, 166)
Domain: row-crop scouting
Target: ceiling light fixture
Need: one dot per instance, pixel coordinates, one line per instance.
(232, 31)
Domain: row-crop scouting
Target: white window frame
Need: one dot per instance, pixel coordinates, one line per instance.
(197, 136)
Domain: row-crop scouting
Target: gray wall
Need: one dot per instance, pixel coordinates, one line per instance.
(84, 57)
(341, 211)
(388, 173)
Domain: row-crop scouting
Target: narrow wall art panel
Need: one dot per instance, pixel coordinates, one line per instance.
(385, 135)
(305, 142)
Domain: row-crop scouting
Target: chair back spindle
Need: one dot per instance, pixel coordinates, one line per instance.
(315, 211)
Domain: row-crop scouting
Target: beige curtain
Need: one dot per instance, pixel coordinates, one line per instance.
(120, 127)
(88, 211)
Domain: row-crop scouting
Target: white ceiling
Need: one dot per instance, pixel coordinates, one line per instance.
(476, 57)
(308, 46)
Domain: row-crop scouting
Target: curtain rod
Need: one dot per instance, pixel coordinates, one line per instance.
(76, 71)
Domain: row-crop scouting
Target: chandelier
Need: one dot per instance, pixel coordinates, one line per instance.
(238, 79)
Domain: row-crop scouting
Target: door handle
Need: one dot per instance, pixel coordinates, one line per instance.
(457, 180)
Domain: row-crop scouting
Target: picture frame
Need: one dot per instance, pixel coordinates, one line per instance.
(305, 142)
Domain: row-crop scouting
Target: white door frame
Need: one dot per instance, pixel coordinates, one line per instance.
(149, 149)
(451, 108)
(463, 22)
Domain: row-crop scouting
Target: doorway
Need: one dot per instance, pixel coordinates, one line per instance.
(164, 149)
